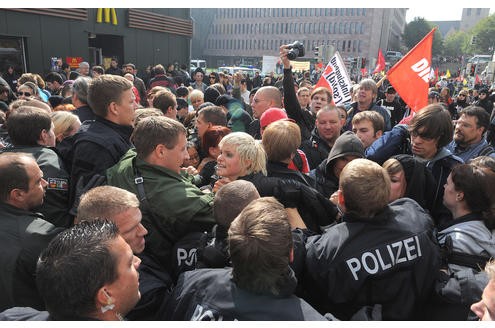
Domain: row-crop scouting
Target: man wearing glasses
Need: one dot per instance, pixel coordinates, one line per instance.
(469, 134)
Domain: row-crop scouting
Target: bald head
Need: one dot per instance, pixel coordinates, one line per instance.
(265, 98)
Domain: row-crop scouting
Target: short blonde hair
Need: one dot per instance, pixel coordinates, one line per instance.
(490, 269)
(251, 152)
(142, 113)
(104, 202)
(196, 94)
(63, 121)
(366, 188)
(281, 139)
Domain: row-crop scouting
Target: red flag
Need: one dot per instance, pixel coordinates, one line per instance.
(436, 74)
(410, 76)
(364, 71)
(380, 63)
(477, 80)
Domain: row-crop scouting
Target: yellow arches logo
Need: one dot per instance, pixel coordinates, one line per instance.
(110, 14)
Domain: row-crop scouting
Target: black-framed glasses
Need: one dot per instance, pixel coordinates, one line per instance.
(212, 77)
(27, 94)
(462, 95)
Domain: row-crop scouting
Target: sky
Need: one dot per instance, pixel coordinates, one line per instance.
(441, 13)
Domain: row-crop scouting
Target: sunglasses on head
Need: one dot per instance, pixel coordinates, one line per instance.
(27, 94)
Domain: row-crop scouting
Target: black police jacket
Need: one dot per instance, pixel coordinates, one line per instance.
(212, 295)
(316, 210)
(23, 236)
(316, 149)
(55, 207)
(391, 259)
(97, 146)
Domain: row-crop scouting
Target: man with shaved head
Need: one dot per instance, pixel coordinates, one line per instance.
(265, 97)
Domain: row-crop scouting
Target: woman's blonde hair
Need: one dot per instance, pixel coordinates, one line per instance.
(251, 152)
(63, 121)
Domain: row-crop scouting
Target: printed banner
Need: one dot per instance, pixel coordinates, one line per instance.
(336, 79)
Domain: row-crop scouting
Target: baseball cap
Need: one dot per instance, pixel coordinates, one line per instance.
(271, 115)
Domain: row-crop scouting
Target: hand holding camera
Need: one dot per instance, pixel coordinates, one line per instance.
(290, 52)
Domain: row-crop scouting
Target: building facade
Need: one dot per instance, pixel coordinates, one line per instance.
(245, 35)
(31, 38)
(471, 17)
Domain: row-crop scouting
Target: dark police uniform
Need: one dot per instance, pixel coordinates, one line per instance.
(212, 295)
(23, 235)
(391, 259)
(55, 207)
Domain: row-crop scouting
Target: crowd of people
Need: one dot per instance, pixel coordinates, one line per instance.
(229, 197)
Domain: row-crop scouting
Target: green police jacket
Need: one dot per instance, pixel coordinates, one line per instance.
(176, 206)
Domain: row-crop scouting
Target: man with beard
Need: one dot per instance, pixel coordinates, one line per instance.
(469, 141)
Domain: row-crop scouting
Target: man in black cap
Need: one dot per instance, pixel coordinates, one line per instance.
(393, 106)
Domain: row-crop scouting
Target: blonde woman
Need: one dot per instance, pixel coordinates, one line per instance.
(66, 124)
(244, 158)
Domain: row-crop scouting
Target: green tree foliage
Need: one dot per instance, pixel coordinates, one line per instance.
(416, 30)
(484, 32)
(456, 44)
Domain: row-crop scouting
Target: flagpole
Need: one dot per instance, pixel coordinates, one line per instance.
(379, 83)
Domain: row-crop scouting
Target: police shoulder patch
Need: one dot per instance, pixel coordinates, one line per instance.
(58, 184)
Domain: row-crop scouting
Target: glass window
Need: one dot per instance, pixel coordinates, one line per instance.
(364, 11)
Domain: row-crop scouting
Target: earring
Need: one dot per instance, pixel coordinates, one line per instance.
(110, 305)
(107, 307)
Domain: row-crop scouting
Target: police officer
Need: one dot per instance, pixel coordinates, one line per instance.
(31, 131)
(390, 255)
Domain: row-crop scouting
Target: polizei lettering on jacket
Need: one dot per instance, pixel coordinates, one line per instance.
(385, 257)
